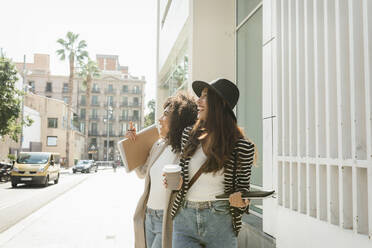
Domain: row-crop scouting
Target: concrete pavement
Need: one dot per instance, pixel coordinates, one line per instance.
(96, 213)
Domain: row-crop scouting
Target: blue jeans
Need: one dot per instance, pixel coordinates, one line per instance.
(208, 227)
(153, 228)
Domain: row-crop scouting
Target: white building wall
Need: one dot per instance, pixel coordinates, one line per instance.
(316, 65)
(33, 132)
(212, 40)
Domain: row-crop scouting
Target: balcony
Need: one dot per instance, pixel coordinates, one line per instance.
(112, 118)
(95, 104)
(93, 133)
(124, 104)
(96, 91)
(93, 118)
(112, 104)
(110, 91)
(111, 133)
(129, 118)
(125, 118)
(135, 104)
(130, 105)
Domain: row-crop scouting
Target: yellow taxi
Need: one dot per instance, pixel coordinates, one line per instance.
(35, 168)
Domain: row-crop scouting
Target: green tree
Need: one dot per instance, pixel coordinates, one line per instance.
(10, 101)
(150, 117)
(75, 51)
(88, 72)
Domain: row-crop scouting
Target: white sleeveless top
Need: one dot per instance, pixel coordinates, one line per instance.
(157, 195)
(208, 185)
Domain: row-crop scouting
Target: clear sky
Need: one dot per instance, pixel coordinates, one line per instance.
(120, 27)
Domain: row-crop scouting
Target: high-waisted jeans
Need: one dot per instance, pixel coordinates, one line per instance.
(208, 226)
(153, 228)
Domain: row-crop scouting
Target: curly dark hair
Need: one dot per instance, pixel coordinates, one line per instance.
(182, 112)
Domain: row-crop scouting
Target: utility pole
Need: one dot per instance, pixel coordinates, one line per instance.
(109, 112)
(108, 134)
(23, 100)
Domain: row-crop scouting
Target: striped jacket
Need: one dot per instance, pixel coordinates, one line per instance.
(236, 178)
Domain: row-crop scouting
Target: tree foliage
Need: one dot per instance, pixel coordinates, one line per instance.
(10, 101)
(150, 117)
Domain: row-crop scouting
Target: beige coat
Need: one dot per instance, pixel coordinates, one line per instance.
(139, 216)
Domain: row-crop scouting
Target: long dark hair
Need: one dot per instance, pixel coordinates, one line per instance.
(218, 133)
(182, 113)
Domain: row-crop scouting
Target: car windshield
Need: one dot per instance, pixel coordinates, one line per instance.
(83, 162)
(27, 158)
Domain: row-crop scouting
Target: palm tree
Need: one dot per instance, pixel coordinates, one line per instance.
(74, 49)
(88, 72)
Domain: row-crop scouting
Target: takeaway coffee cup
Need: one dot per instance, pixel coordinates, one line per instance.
(172, 174)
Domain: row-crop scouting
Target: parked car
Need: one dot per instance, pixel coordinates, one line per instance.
(36, 168)
(5, 170)
(85, 166)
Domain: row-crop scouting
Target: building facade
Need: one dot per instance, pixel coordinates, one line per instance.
(53, 129)
(303, 70)
(116, 99)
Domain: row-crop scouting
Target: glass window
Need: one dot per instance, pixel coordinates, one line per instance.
(135, 114)
(125, 88)
(244, 8)
(82, 113)
(94, 127)
(94, 112)
(52, 122)
(110, 100)
(48, 87)
(249, 81)
(65, 88)
(52, 141)
(95, 100)
(111, 88)
(93, 140)
(125, 113)
(65, 100)
(135, 101)
(82, 127)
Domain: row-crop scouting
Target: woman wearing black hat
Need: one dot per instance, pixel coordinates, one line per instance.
(215, 159)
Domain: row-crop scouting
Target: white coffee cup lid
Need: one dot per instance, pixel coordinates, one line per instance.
(170, 168)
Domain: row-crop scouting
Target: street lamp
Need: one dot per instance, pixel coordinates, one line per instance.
(109, 114)
(25, 88)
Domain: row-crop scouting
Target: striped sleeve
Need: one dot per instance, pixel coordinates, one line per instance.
(246, 151)
(185, 137)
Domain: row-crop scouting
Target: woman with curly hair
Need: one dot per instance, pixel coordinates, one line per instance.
(180, 111)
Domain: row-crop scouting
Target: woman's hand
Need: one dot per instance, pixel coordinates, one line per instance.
(166, 185)
(131, 133)
(236, 200)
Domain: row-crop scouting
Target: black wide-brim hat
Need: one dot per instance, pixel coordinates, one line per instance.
(225, 89)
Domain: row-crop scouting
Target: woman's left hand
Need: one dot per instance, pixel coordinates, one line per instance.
(236, 200)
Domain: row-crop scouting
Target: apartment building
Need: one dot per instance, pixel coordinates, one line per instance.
(303, 70)
(51, 129)
(116, 99)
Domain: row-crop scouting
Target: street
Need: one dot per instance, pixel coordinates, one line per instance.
(82, 210)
